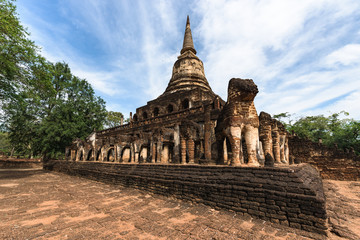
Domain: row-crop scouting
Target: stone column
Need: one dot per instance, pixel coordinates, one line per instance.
(225, 153)
(183, 150)
(132, 153)
(115, 153)
(94, 151)
(103, 153)
(73, 157)
(176, 144)
(266, 139)
(287, 149)
(191, 148)
(131, 122)
(159, 150)
(153, 152)
(136, 152)
(276, 145)
(282, 148)
(207, 133)
(136, 157)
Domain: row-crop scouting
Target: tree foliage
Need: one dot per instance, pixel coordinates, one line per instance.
(344, 132)
(113, 119)
(5, 145)
(54, 109)
(44, 107)
(17, 52)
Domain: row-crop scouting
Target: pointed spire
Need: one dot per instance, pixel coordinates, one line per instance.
(188, 41)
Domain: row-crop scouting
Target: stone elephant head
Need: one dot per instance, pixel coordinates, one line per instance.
(242, 90)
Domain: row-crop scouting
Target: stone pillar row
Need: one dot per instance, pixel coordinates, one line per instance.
(159, 152)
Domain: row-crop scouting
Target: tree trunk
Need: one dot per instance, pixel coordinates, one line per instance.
(12, 152)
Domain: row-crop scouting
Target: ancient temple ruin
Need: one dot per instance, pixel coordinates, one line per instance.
(190, 124)
(191, 144)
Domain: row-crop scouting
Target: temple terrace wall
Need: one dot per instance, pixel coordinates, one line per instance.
(331, 162)
(291, 195)
(19, 163)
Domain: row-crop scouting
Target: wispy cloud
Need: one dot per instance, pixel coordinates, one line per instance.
(346, 55)
(290, 52)
(303, 55)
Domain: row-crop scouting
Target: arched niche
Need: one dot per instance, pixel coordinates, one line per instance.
(98, 154)
(126, 154)
(185, 104)
(135, 118)
(90, 155)
(170, 108)
(144, 115)
(156, 112)
(111, 155)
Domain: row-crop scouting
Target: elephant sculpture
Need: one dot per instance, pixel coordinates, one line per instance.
(238, 124)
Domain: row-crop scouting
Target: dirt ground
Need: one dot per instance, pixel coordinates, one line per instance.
(36, 204)
(343, 207)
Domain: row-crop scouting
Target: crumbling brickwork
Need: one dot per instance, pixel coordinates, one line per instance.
(292, 196)
(332, 163)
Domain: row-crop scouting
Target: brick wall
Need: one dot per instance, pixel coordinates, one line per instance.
(20, 164)
(291, 196)
(332, 163)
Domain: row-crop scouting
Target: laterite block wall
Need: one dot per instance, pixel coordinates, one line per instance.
(4, 163)
(291, 196)
(332, 163)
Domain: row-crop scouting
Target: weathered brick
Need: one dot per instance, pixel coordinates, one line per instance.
(280, 203)
(314, 229)
(284, 222)
(301, 221)
(278, 216)
(295, 225)
(256, 212)
(208, 187)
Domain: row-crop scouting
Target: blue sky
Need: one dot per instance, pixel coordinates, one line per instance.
(303, 55)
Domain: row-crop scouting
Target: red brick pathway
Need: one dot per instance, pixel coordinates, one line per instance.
(35, 204)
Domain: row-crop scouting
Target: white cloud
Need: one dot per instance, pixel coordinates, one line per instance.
(348, 104)
(282, 45)
(101, 81)
(301, 54)
(346, 55)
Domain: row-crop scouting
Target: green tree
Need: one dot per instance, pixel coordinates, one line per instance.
(44, 107)
(5, 145)
(21, 123)
(344, 132)
(17, 52)
(313, 128)
(282, 116)
(347, 135)
(113, 119)
(56, 108)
